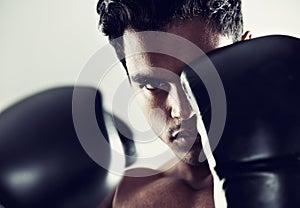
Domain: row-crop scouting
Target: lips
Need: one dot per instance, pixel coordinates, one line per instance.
(185, 140)
(184, 134)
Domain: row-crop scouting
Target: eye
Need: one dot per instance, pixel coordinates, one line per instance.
(156, 85)
(152, 86)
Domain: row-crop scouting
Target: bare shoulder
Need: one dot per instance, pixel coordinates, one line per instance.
(143, 187)
(147, 191)
(134, 180)
(137, 178)
(134, 186)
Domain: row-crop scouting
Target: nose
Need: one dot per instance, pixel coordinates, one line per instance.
(180, 105)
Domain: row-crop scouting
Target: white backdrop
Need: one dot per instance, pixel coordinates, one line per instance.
(46, 43)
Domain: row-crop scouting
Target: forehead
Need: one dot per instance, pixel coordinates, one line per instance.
(147, 52)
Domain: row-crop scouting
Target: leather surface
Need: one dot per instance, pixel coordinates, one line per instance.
(258, 153)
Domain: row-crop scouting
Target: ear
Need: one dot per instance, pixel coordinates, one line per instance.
(247, 35)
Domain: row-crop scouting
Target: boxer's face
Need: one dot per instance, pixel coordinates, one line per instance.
(155, 77)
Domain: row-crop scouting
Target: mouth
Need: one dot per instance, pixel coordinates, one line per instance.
(185, 140)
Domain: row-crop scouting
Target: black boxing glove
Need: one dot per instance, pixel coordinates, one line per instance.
(42, 163)
(259, 151)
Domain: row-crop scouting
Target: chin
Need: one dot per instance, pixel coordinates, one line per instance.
(191, 161)
(191, 157)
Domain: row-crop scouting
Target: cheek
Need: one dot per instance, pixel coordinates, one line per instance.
(150, 102)
(157, 120)
(155, 112)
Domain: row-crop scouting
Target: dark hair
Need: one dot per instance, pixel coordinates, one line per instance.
(118, 15)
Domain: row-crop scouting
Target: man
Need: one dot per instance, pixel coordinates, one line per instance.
(209, 24)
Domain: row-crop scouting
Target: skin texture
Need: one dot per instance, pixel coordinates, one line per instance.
(163, 101)
(169, 112)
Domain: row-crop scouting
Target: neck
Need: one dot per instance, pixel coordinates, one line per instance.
(198, 176)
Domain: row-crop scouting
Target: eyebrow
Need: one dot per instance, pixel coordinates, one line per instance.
(144, 79)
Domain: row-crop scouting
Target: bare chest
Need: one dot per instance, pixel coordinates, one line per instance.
(165, 194)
